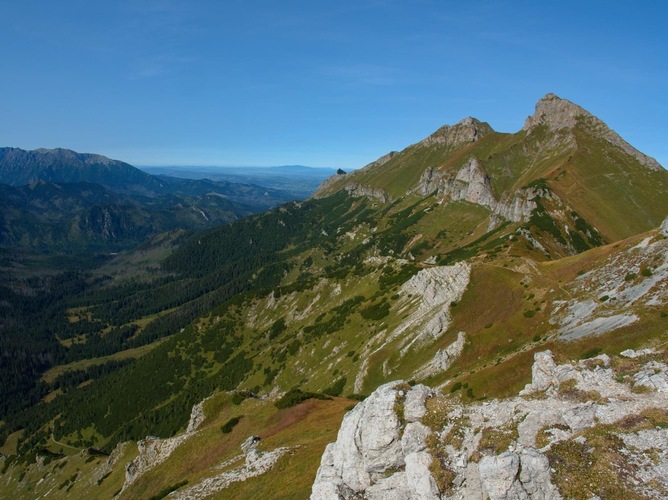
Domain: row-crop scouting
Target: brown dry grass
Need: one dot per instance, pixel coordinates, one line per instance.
(289, 417)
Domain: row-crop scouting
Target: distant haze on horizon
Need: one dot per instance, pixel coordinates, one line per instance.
(333, 85)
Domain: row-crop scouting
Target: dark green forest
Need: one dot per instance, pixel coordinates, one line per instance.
(213, 269)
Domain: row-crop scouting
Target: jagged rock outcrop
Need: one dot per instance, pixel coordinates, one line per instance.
(472, 183)
(608, 296)
(426, 299)
(465, 131)
(359, 191)
(518, 205)
(435, 288)
(108, 465)
(256, 463)
(560, 114)
(442, 359)
(153, 451)
(469, 183)
(373, 455)
(546, 375)
(505, 449)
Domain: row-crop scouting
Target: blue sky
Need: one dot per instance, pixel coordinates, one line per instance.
(337, 84)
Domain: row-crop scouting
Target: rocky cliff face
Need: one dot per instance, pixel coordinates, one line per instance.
(467, 130)
(359, 191)
(411, 442)
(472, 183)
(425, 299)
(469, 183)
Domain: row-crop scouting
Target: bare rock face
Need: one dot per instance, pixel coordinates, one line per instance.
(255, 464)
(495, 450)
(359, 191)
(108, 465)
(435, 288)
(545, 374)
(653, 376)
(518, 205)
(470, 183)
(588, 315)
(555, 113)
(371, 457)
(664, 227)
(509, 476)
(153, 451)
(466, 131)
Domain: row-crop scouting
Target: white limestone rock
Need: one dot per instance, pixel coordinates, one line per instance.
(415, 438)
(421, 484)
(664, 227)
(414, 408)
(498, 475)
(521, 472)
(630, 353)
(653, 376)
(512, 476)
(370, 446)
(435, 288)
(360, 191)
(546, 375)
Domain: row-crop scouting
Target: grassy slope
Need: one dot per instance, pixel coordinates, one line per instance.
(326, 287)
(305, 428)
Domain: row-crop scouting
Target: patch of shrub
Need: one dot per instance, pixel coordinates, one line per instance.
(336, 388)
(376, 312)
(166, 491)
(295, 396)
(592, 353)
(529, 313)
(230, 424)
(630, 276)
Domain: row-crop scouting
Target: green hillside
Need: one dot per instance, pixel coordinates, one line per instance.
(484, 249)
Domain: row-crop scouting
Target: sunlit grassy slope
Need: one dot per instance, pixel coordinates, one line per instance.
(312, 296)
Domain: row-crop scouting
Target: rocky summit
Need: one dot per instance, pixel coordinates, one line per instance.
(479, 315)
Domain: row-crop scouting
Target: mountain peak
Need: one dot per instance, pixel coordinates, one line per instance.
(559, 114)
(556, 113)
(467, 130)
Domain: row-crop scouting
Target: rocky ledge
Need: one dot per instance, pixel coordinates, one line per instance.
(571, 433)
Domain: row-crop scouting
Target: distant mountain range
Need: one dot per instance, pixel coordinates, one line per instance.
(61, 200)
(298, 180)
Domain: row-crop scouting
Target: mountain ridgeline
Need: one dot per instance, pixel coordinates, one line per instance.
(57, 200)
(450, 263)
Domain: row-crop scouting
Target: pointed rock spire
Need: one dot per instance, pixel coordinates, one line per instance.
(555, 113)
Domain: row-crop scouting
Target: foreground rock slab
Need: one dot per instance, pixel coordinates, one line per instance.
(408, 442)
